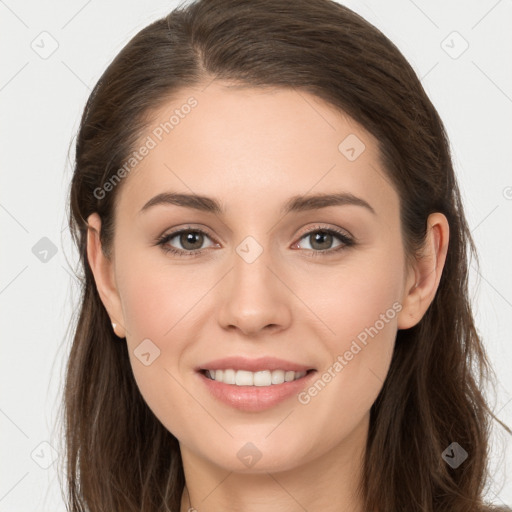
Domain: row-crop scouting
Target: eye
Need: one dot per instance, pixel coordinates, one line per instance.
(190, 239)
(321, 240)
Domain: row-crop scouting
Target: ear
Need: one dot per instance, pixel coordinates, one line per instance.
(423, 278)
(103, 270)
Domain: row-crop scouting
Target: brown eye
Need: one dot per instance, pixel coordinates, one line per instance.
(191, 240)
(321, 241)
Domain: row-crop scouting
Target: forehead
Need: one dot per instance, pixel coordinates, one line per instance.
(253, 147)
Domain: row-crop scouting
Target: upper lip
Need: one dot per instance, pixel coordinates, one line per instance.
(253, 365)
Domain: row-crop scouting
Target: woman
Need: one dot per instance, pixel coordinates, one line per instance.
(275, 311)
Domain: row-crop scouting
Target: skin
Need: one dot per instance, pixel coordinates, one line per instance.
(252, 150)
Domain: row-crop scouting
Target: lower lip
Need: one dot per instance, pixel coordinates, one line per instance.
(255, 398)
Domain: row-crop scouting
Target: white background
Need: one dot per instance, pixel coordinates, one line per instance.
(41, 102)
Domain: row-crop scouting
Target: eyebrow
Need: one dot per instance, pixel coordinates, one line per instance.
(294, 204)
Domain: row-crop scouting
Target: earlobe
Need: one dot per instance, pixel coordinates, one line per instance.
(103, 271)
(423, 280)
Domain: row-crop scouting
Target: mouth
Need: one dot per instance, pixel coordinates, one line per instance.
(261, 378)
(257, 391)
(254, 384)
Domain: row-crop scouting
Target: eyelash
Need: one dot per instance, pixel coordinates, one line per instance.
(346, 241)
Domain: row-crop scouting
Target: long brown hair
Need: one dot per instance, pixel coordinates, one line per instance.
(119, 455)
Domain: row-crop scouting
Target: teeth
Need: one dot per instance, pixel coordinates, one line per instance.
(261, 378)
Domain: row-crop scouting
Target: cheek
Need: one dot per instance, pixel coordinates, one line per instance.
(160, 304)
(353, 296)
(157, 299)
(359, 305)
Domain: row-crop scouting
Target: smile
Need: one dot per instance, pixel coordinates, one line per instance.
(259, 378)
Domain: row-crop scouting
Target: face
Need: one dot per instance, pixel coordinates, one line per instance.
(270, 278)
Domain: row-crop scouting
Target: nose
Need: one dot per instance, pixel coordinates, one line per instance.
(254, 297)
